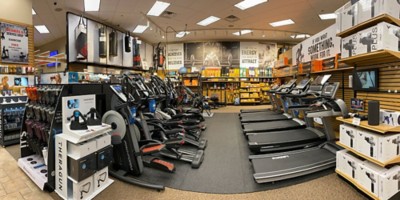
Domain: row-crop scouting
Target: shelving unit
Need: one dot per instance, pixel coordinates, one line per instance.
(354, 182)
(373, 58)
(382, 128)
(11, 115)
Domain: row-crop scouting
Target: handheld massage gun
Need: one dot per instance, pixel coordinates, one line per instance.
(353, 167)
(397, 141)
(397, 177)
(85, 189)
(352, 13)
(371, 142)
(373, 181)
(373, 8)
(397, 34)
(367, 40)
(93, 117)
(75, 122)
(351, 135)
(349, 46)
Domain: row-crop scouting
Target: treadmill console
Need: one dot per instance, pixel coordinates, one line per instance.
(303, 83)
(288, 86)
(330, 90)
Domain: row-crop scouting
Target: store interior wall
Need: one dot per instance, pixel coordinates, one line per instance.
(59, 45)
(16, 10)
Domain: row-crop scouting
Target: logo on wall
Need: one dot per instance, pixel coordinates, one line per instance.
(14, 43)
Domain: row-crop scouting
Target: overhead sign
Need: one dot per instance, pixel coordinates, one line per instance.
(324, 44)
(175, 56)
(248, 54)
(14, 43)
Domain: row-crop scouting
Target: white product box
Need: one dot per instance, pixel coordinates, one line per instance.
(348, 136)
(389, 147)
(367, 143)
(378, 37)
(82, 149)
(80, 190)
(369, 176)
(390, 118)
(103, 141)
(348, 16)
(367, 9)
(101, 178)
(349, 46)
(389, 182)
(390, 7)
(348, 164)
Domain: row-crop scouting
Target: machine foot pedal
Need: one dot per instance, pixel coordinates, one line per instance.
(198, 159)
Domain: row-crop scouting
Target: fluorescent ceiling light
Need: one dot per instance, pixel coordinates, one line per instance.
(140, 29)
(327, 16)
(300, 36)
(249, 3)
(33, 12)
(282, 23)
(158, 8)
(92, 5)
(42, 29)
(242, 32)
(209, 20)
(182, 34)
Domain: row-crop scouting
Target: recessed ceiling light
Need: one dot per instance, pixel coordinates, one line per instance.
(42, 29)
(209, 20)
(282, 23)
(158, 8)
(182, 34)
(300, 36)
(242, 32)
(33, 12)
(327, 16)
(249, 3)
(92, 5)
(140, 29)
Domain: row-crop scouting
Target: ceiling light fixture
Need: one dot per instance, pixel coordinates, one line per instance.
(300, 36)
(33, 12)
(209, 20)
(282, 23)
(92, 5)
(42, 29)
(140, 29)
(327, 16)
(242, 32)
(158, 8)
(243, 5)
(182, 34)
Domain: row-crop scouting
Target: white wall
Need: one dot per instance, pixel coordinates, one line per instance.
(16, 10)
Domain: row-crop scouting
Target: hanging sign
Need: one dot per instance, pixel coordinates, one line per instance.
(14, 43)
(248, 54)
(175, 56)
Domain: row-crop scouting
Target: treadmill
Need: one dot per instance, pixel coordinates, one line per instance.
(285, 165)
(278, 141)
(276, 106)
(263, 117)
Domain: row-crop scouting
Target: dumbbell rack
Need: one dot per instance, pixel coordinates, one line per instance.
(12, 107)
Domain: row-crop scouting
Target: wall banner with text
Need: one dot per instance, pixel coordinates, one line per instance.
(14, 43)
(175, 56)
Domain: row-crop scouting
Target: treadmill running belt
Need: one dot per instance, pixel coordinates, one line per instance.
(254, 110)
(283, 140)
(264, 118)
(287, 165)
(243, 115)
(271, 126)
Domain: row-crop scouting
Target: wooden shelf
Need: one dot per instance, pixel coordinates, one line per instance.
(369, 23)
(250, 101)
(248, 92)
(373, 58)
(354, 182)
(382, 128)
(250, 97)
(220, 81)
(280, 67)
(192, 85)
(380, 163)
(333, 70)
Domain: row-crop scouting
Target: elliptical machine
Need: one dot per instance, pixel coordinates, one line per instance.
(130, 156)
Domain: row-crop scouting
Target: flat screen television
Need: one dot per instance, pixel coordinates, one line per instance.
(51, 54)
(366, 80)
(357, 104)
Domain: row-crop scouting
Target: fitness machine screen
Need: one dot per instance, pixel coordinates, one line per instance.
(303, 83)
(366, 80)
(357, 104)
(325, 78)
(290, 83)
(330, 90)
(118, 91)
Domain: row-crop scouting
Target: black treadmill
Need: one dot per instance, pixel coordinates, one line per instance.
(266, 117)
(276, 105)
(289, 140)
(285, 165)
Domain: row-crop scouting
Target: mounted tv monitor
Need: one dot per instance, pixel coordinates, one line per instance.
(357, 104)
(51, 54)
(366, 80)
(24, 81)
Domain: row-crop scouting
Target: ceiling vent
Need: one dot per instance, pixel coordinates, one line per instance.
(231, 18)
(168, 14)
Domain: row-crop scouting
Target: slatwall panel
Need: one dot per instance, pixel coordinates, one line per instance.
(31, 46)
(389, 79)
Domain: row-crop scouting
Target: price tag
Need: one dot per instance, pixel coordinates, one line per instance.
(356, 121)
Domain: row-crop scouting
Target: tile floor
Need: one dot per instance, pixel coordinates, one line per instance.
(14, 184)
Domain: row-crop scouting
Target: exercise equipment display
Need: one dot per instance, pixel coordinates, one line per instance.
(12, 109)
